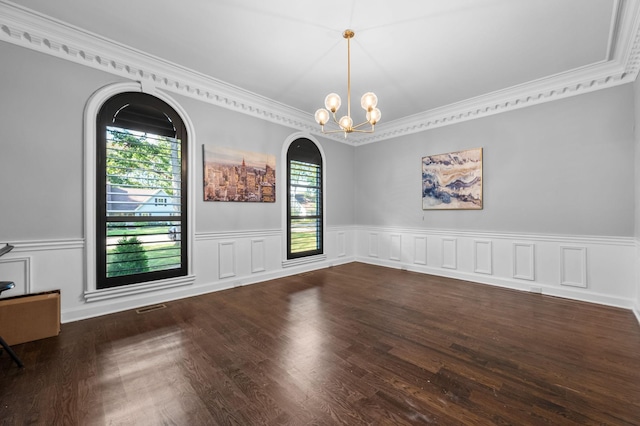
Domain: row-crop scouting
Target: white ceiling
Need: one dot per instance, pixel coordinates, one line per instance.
(417, 56)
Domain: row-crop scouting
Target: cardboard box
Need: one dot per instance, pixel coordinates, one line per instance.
(30, 317)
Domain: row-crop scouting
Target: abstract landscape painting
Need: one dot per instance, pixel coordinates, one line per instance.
(452, 181)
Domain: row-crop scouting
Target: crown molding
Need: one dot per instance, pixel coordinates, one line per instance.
(32, 30)
(620, 67)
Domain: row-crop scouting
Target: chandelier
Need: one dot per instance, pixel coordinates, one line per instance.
(332, 103)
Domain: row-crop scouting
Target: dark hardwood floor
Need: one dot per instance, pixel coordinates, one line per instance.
(353, 344)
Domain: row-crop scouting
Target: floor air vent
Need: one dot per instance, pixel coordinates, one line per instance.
(151, 308)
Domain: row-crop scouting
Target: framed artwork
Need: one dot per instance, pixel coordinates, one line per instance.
(452, 181)
(235, 175)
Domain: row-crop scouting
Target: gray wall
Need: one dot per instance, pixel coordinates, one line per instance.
(41, 152)
(563, 167)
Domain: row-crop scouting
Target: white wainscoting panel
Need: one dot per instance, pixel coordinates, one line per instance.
(450, 253)
(220, 260)
(483, 257)
(226, 259)
(18, 270)
(341, 244)
(39, 266)
(609, 269)
(556, 265)
(573, 266)
(524, 261)
(396, 247)
(258, 257)
(420, 250)
(373, 244)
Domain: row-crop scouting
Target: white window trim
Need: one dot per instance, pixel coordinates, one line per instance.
(282, 189)
(92, 293)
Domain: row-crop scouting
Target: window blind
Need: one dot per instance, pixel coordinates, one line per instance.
(305, 208)
(143, 203)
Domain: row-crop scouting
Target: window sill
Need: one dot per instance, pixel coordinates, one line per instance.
(304, 260)
(131, 289)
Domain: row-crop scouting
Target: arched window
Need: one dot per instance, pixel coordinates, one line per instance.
(304, 202)
(141, 191)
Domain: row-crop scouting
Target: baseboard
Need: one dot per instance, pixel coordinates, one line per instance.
(636, 311)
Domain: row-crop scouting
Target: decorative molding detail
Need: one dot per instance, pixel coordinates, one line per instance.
(620, 67)
(396, 247)
(341, 241)
(22, 27)
(258, 253)
(450, 253)
(524, 261)
(25, 28)
(226, 259)
(22, 279)
(420, 250)
(483, 257)
(573, 266)
(373, 244)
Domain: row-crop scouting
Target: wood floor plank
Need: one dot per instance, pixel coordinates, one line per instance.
(353, 344)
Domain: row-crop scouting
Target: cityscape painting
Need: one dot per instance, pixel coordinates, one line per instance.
(235, 175)
(452, 181)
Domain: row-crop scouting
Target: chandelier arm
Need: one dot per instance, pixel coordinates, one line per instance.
(363, 131)
(361, 124)
(352, 130)
(335, 120)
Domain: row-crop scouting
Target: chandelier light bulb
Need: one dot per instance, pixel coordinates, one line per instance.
(346, 122)
(332, 102)
(369, 101)
(322, 116)
(374, 116)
